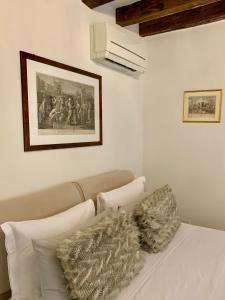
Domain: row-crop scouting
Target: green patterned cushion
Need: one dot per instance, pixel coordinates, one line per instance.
(99, 260)
(157, 219)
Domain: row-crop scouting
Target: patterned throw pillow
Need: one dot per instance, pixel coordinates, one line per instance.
(99, 260)
(157, 219)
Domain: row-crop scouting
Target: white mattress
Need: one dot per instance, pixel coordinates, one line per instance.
(191, 268)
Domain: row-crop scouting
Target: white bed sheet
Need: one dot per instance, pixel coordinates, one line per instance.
(191, 268)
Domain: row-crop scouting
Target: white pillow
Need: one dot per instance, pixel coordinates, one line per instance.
(121, 196)
(22, 263)
(53, 283)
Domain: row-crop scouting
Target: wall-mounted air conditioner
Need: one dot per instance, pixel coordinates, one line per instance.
(118, 48)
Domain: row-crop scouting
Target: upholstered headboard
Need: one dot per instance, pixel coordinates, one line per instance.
(50, 201)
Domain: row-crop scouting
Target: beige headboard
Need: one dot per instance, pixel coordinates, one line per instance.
(50, 201)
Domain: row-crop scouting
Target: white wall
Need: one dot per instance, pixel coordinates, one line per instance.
(59, 30)
(190, 157)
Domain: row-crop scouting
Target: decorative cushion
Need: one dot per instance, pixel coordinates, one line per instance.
(53, 283)
(121, 196)
(100, 260)
(157, 219)
(22, 263)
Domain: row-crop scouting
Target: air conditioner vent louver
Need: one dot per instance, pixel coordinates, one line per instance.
(127, 49)
(132, 70)
(117, 48)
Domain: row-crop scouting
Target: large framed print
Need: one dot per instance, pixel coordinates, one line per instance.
(62, 105)
(202, 106)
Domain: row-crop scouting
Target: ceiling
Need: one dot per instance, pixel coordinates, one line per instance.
(158, 16)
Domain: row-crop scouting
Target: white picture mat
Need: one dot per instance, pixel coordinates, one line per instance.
(34, 67)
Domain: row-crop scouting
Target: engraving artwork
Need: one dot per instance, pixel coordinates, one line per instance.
(64, 106)
(202, 105)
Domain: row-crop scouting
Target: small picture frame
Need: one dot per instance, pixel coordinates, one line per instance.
(202, 106)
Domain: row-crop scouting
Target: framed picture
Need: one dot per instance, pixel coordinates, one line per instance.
(62, 105)
(202, 106)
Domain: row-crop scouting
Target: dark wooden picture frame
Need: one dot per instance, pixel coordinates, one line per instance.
(83, 97)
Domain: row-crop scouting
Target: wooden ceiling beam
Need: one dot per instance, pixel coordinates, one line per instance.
(193, 17)
(137, 11)
(147, 10)
(95, 3)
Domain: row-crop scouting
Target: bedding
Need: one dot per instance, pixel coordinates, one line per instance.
(121, 196)
(155, 209)
(49, 201)
(22, 263)
(191, 268)
(103, 258)
(53, 283)
(157, 219)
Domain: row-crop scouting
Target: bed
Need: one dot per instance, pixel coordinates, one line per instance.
(191, 267)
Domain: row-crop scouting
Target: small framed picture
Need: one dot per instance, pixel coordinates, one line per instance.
(202, 106)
